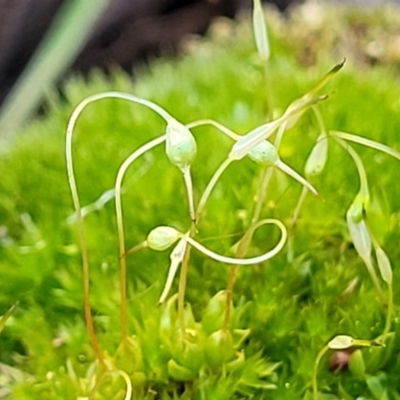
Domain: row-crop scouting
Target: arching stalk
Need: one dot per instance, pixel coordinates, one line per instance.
(315, 371)
(206, 194)
(120, 227)
(75, 198)
(245, 261)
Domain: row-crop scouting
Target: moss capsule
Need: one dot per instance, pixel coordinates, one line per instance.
(181, 147)
(264, 153)
(162, 237)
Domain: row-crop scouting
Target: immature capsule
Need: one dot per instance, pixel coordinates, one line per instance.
(341, 342)
(317, 158)
(181, 147)
(162, 237)
(264, 153)
(359, 232)
(384, 265)
(260, 31)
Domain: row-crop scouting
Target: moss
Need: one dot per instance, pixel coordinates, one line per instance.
(292, 307)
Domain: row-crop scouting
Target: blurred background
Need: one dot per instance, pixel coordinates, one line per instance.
(42, 40)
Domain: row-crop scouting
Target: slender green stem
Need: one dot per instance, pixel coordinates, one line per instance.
(298, 208)
(120, 227)
(183, 281)
(366, 142)
(374, 278)
(293, 222)
(364, 192)
(187, 176)
(228, 260)
(262, 193)
(244, 243)
(136, 248)
(216, 124)
(82, 238)
(246, 261)
(291, 172)
(233, 272)
(192, 233)
(211, 185)
(389, 312)
(279, 135)
(118, 95)
(75, 198)
(315, 371)
(320, 120)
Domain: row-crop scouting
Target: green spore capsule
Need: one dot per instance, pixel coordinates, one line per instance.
(384, 265)
(162, 237)
(181, 147)
(260, 31)
(341, 342)
(264, 153)
(317, 158)
(359, 233)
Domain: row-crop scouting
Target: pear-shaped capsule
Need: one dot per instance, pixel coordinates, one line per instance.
(359, 234)
(181, 147)
(264, 153)
(317, 159)
(341, 342)
(260, 31)
(162, 237)
(384, 265)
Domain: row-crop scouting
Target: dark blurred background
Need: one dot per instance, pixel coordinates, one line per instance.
(128, 32)
(42, 40)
